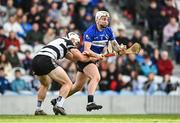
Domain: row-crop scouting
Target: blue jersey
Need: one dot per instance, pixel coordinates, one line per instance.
(99, 39)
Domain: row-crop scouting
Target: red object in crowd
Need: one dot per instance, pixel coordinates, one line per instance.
(165, 67)
(15, 42)
(113, 85)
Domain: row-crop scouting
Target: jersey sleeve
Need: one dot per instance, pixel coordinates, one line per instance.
(88, 36)
(111, 34)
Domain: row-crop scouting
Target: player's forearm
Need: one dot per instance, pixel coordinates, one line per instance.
(115, 45)
(77, 56)
(91, 53)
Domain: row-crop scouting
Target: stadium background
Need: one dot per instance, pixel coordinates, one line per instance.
(147, 83)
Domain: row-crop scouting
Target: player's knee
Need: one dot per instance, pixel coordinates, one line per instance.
(68, 85)
(96, 78)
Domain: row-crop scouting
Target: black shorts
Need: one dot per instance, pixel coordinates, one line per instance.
(42, 65)
(82, 65)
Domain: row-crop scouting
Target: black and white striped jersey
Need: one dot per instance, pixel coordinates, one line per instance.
(57, 48)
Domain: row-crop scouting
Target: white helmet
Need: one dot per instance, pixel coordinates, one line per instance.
(73, 36)
(99, 14)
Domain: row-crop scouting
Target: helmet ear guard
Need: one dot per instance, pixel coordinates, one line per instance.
(73, 36)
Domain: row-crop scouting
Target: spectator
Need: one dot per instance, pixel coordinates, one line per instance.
(103, 65)
(112, 74)
(135, 84)
(152, 18)
(3, 15)
(122, 38)
(12, 56)
(2, 40)
(6, 65)
(26, 26)
(170, 10)
(12, 41)
(120, 63)
(80, 21)
(4, 83)
(49, 36)
(19, 15)
(147, 66)
(57, 27)
(131, 65)
(26, 62)
(170, 29)
(150, 85)
(11, 10)
(64, 17)
(119, 83)
(116, 24)
(33, 15)
(35, 36)
(137, 36)
(177, 46)
(47, 4)
(166, 84)
(165, 65)
(88, 20)
(19, 84)
(162, 22)
(49, 23)
(104, 83)
(71, 9)
(140, 57)
(141, 8)
(146, 45)
(54, 11)
(101, 6)
(131, 10)
(156, 56)
(25, 4)
(41, 14)
(12, 25)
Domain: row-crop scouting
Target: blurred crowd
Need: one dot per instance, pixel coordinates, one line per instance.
(27, 25)
(159, 19)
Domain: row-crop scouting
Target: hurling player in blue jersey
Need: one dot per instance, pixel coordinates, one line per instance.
(95, 39)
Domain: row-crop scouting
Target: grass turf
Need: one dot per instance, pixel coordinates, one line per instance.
(90, 119)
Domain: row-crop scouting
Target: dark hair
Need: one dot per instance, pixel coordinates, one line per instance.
(17, 70)
(2, 68)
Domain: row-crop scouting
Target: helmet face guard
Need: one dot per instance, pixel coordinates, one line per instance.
(73, 37)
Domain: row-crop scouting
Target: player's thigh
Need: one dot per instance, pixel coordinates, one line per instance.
(81, 79)
(45, 80)
(91, 71)
(60, 76)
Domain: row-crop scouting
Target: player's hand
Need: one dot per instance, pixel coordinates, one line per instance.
(122, 49)
(86, 53)
(100, 56)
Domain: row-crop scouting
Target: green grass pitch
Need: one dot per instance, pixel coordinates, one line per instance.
(90, 119)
